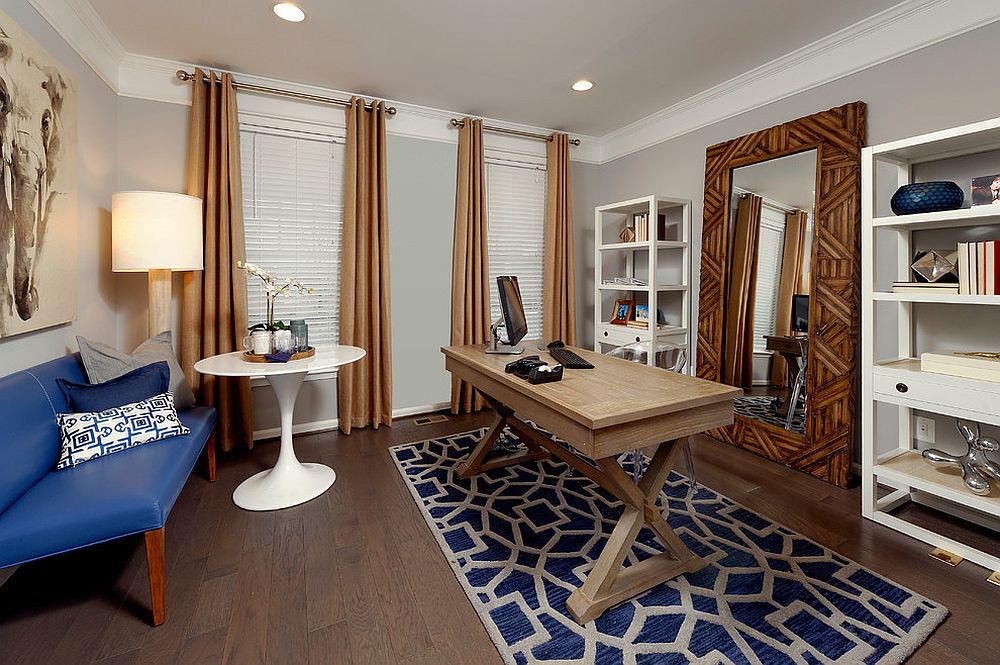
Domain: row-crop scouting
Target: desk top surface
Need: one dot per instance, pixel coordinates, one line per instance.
(616, 391)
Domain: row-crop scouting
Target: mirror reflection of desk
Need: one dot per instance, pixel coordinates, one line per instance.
(792, 348)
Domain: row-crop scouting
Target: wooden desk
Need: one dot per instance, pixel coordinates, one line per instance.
(790, 348)
(616, 407)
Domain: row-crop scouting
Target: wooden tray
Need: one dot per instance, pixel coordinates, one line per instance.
(257, 358)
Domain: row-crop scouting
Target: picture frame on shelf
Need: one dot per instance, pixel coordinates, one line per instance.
(642, 313)
(986, 190)
(622, 312)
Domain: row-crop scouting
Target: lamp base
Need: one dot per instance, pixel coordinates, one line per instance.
(159, 301)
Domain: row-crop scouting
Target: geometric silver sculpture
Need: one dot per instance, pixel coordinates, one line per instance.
(935, 264)
(974, 462)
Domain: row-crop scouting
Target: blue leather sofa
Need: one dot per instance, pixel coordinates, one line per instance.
(45, 512)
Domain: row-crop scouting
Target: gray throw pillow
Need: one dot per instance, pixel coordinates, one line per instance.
(104, 363)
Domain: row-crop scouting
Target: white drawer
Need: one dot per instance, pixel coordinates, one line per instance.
(620, 335)
(937, 393)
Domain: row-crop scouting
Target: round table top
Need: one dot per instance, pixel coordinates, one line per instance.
(326, 358)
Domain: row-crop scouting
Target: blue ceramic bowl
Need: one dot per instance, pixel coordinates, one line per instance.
(927, 197)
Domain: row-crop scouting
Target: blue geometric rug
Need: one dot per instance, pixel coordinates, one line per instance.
(520, 539)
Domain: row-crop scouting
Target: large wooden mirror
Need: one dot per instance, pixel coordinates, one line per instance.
(778, 302)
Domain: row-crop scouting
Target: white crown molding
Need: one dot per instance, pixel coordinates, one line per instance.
(78, 23)
(902, 29)
(154, 79)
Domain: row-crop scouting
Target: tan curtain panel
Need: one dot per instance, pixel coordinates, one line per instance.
(558, 282)
(793, 256)
(364, 388)
(738, 368)
(214, 300)
(470, 288)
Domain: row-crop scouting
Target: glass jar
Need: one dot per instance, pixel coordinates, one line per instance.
(300, 334)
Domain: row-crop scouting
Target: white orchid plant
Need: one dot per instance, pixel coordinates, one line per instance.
(273, 288)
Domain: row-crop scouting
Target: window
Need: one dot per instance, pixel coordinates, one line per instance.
(772, 241)
(515, 215)
(293, 211)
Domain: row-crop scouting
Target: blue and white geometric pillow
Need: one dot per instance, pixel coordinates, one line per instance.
(86, 436)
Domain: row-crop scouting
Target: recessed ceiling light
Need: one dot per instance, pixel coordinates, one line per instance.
(289, 12)
(582, 85)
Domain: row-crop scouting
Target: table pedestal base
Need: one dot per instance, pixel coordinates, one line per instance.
(285, 487)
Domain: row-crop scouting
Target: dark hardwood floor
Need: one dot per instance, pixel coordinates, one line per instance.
(355, 576)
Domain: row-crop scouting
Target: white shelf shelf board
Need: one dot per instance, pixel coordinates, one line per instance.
(660, 244)
(944, 298)
(977, 216)
(946, 143)
(641, 205)
(910, 469)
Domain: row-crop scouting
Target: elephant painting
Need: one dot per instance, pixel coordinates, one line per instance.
(38, 192)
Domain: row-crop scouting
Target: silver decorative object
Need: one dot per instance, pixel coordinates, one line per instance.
(976, 466)
(935, 264)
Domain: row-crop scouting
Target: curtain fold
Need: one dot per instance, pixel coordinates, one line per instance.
(793, 254)
(214, 300)
(470, 287)
(558, 281)
(364, 388)
(738, 367)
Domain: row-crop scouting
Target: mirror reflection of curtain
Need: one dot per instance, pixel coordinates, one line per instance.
(738, 366)
(793, 257)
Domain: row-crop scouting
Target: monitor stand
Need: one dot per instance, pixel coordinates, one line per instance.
(497, 347)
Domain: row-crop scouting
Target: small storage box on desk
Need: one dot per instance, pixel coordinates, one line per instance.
(953, 385)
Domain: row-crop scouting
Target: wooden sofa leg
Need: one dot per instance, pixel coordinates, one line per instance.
(157, 577)
(210, 455)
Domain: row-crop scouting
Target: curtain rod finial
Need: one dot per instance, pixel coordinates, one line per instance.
(183, 75)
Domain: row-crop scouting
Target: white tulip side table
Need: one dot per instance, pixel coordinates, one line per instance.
(290, 482)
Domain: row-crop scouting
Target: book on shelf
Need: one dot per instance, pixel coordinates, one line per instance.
(984, 366)
(978, 269)
(925, 287)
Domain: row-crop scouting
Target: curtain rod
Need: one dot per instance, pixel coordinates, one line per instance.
(185, 76)
(513, 132)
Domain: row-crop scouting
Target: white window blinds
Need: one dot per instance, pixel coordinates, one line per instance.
(293, 211)
(515, 211)
(772, 240)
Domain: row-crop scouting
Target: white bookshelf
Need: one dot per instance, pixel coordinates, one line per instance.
(663, 263)
(897, 379)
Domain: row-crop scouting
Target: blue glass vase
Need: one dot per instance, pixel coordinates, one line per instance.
(921, 197)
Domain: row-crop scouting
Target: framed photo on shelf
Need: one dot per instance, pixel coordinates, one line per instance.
(642, 313)
(623, 312)
(986, 190)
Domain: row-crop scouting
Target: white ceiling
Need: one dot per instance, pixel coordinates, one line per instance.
(511, 60)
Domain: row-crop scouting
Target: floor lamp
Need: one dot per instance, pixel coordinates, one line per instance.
(156, 232)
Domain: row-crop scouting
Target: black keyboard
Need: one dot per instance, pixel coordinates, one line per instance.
(569, 360)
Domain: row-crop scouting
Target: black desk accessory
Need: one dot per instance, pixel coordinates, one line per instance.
(566, 357)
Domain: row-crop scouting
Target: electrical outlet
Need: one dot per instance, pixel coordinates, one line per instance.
(925, 429)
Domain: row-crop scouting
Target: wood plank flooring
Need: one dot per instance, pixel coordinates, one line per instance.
(355, 577)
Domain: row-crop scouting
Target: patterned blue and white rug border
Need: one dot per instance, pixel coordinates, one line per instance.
(898, 654)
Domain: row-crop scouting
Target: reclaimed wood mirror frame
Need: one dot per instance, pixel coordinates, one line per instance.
(826, 451)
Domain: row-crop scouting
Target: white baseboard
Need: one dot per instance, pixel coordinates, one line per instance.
(334, 423)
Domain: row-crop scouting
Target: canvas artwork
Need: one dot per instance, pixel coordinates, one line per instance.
(38, 196)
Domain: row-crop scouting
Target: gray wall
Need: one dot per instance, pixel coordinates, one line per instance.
(96, 179)
(925, 91)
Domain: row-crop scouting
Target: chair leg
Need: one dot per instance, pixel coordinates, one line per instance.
(210, 456)
(157, 578)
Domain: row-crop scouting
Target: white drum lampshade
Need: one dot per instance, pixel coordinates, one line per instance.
(156, 232)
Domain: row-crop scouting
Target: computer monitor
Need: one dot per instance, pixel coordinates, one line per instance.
(513, 317)
(800, 313)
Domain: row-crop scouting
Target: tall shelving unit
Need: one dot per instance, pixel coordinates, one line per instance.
(663, 263)
(897, 379)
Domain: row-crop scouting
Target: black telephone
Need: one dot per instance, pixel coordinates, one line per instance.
(523, 366)
(534, 370)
